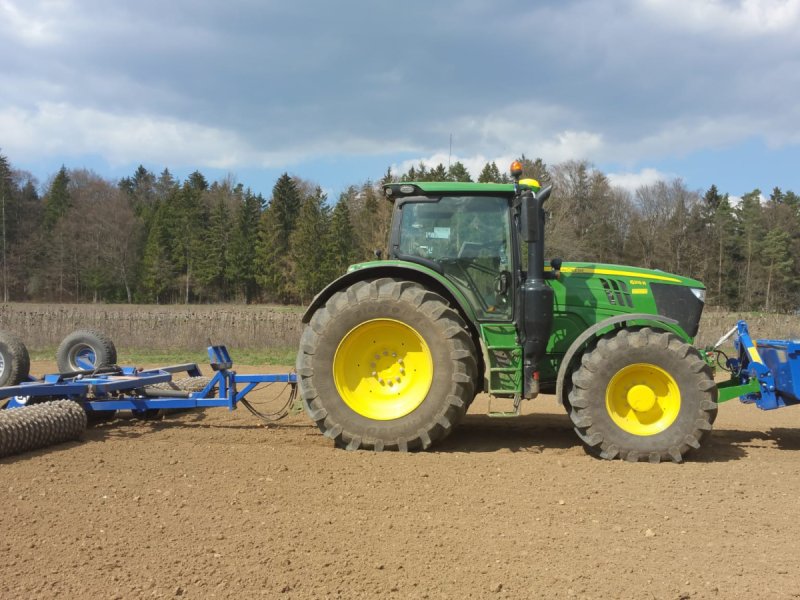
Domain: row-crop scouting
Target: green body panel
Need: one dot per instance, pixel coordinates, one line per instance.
(584, 294)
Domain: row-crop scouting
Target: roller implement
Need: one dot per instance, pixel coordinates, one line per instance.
(395, 351)
(55, 408)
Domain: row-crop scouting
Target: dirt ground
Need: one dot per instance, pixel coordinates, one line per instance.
(214, 505)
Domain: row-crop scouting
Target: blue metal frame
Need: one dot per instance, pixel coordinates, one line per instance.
(768, 371)
(124, 388)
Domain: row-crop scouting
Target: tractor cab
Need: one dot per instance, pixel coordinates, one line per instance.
(465, 235)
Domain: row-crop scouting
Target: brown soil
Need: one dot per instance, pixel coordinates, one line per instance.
(214, 505)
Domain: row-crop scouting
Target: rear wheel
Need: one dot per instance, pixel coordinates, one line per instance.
(642, 395)
(386, 365)
(15, 364)
(84, 350)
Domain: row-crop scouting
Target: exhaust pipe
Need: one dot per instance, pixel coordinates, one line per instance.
(536, 295)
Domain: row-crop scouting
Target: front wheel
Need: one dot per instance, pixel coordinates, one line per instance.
(386, 365)
(642, 395)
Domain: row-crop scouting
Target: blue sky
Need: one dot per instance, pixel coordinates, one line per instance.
(336, 92)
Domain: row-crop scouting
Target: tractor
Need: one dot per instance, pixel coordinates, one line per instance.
(394, 351)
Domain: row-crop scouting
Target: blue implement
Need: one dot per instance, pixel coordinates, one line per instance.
(128, 388)
(774, 365)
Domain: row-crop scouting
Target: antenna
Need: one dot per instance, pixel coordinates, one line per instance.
(450, 153)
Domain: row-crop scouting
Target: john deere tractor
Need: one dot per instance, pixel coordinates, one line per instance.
(394, 351)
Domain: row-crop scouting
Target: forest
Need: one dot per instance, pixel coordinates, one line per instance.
(150, 238)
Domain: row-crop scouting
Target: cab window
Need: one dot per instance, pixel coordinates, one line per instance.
(468, 236)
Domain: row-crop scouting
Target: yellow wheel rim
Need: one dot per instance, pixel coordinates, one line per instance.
(383, 369)
(643, 399)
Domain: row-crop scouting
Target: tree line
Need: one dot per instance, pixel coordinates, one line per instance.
(151, 238)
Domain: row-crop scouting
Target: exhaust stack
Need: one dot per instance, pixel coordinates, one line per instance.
(536, 318)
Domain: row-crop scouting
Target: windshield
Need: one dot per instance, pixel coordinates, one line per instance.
(468, 236)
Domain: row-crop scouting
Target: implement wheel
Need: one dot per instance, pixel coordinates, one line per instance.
(84, 350)
(15, 363)
(386, 365)
(642, 395)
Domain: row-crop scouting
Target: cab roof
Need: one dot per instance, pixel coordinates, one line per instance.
(421, 188)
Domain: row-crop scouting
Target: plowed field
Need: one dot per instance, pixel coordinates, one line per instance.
(214, 505)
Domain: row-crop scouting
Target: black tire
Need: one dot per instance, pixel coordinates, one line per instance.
(40, 425)
(451, 351)
(15, 364)
(622, 362)
(85, 349)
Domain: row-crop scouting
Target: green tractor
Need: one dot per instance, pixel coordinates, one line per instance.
(395, 351)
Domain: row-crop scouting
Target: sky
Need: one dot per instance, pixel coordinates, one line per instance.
(337, 92)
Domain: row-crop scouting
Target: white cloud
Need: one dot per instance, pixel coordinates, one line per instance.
(34, 23)
(62, 130)
(633, 181)
(58, 129)
(744, 17)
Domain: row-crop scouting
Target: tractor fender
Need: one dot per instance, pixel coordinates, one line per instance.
(423, 275)
(659, 321)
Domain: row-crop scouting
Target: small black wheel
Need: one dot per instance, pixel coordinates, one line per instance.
(386, 365)
(15, 364)
(642, 395)
(84, 350)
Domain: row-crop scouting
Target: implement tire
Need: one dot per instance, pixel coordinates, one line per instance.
(15, 364)
(642, 395)
(84, 350)
(40, 425)
(386, 365)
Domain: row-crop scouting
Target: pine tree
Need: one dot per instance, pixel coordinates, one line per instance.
(241, 263)
(212, 258)
(458, 172)
(420, 173)
(141, 190)
(490, 174)
(439, 173)
(157, 268)
(57, 200)
(341, 242)
(273, 262)
(308, 264)
(285, 205)
(190, 216)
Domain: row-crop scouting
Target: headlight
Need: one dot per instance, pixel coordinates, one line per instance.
(700, 294)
